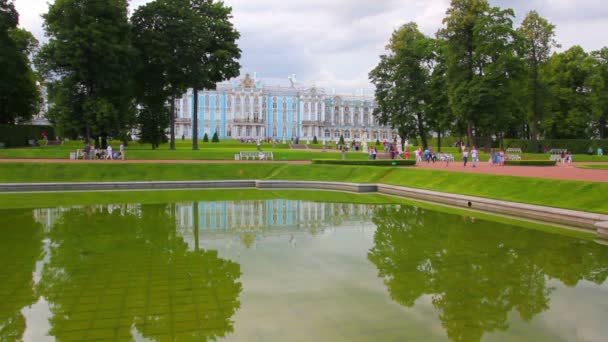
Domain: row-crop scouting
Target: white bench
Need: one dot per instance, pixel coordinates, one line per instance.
(446, 157)
(514, 150)
(247, 155)
(555, 157)
(513, 157)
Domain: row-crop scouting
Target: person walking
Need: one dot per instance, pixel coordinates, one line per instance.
(465, 156)
(344, 149)
(474, 156)
(419, 155)
(109, 152)
(122, 151)
(374, 153)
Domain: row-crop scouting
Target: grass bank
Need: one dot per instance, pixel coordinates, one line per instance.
(586, 196)
(594, 167)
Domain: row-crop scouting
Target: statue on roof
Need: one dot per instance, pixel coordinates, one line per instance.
(248, 82)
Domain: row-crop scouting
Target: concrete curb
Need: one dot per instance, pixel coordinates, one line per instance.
(590, 221)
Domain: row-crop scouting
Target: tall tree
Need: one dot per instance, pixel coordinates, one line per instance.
(212, 54)
(439, 113)
(401, 79)
(539, 38)
(88, 64)
(569, 111)
(160, 30)
(599, 91)
(483, 66)
(19, 95)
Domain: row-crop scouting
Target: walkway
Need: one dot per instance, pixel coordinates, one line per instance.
(558, 172)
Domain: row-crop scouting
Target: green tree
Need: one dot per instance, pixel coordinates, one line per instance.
(19, 95)
(438, 112)
(205, 138)
(539, 38)
(341, 141)
(599, 91)
(88, 64)
(215, 138)
(401, 79)
(570, 111)
(483, 67)
(314, 140)
(212, 54)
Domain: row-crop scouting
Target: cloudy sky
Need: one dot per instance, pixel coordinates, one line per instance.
(335, 43)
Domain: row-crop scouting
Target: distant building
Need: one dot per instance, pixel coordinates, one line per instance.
(252, 108)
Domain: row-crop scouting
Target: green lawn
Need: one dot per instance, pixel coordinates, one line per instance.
(586, 196)
(595, 167)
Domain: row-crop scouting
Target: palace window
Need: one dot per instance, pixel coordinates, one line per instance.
(347, 134)
(336, 134)
(327, 134)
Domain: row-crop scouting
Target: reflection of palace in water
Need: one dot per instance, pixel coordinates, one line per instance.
(248, 220)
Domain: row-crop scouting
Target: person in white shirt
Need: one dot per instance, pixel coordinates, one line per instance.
(465, 156)
(474, 156)
(109, 153)
(122, 151)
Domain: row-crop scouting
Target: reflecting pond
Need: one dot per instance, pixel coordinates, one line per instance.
(292, 270)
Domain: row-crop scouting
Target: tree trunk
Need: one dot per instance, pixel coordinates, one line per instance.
(535, 110)
(172, 134)
(104, 141)
(87, 134)
(195, 121)
(438, 140)
(421, 131)
(470, 135)
(602, 128)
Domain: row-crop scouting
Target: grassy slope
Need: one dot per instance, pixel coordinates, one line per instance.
(595, 167)
(557, 193)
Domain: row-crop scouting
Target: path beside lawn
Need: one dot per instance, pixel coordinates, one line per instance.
(566, 172)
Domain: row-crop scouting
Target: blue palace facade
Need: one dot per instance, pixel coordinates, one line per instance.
(252, 108)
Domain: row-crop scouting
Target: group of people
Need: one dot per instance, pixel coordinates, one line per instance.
(90, 152)
(566, 157)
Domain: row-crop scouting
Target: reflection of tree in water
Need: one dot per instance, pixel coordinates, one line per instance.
(111, 273)
(20, 249)
(476, 273)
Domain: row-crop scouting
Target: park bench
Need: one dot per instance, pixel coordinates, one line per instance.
(251, 155)
(513, 157)
(514, 150)
(558, 150)
(446, 157)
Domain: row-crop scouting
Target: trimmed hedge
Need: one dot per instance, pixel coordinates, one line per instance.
(576, 146)
(384, 162)
(18, 135)
(531, 162)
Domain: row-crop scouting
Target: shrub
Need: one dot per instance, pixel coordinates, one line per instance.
(393, 162)
(215, 138)
(205, 138)
(341, 141)
(531, 162)
(314, 140)
(18, 135)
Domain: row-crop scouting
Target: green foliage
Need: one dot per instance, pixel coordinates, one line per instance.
(598, 82)
(153, 120)
(341, 141)
(88, 64)
(18, 135)
(314, 140)
(539, 38)
(396, 162)
(402, 82)
(484, 71)
(205, 138)
(215, 138)
(19, 94)
(577, 146)
(570, 108)
(531, 162)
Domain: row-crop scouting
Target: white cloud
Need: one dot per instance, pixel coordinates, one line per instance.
(335, 43)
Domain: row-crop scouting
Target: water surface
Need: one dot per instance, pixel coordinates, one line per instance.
(292, 270)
